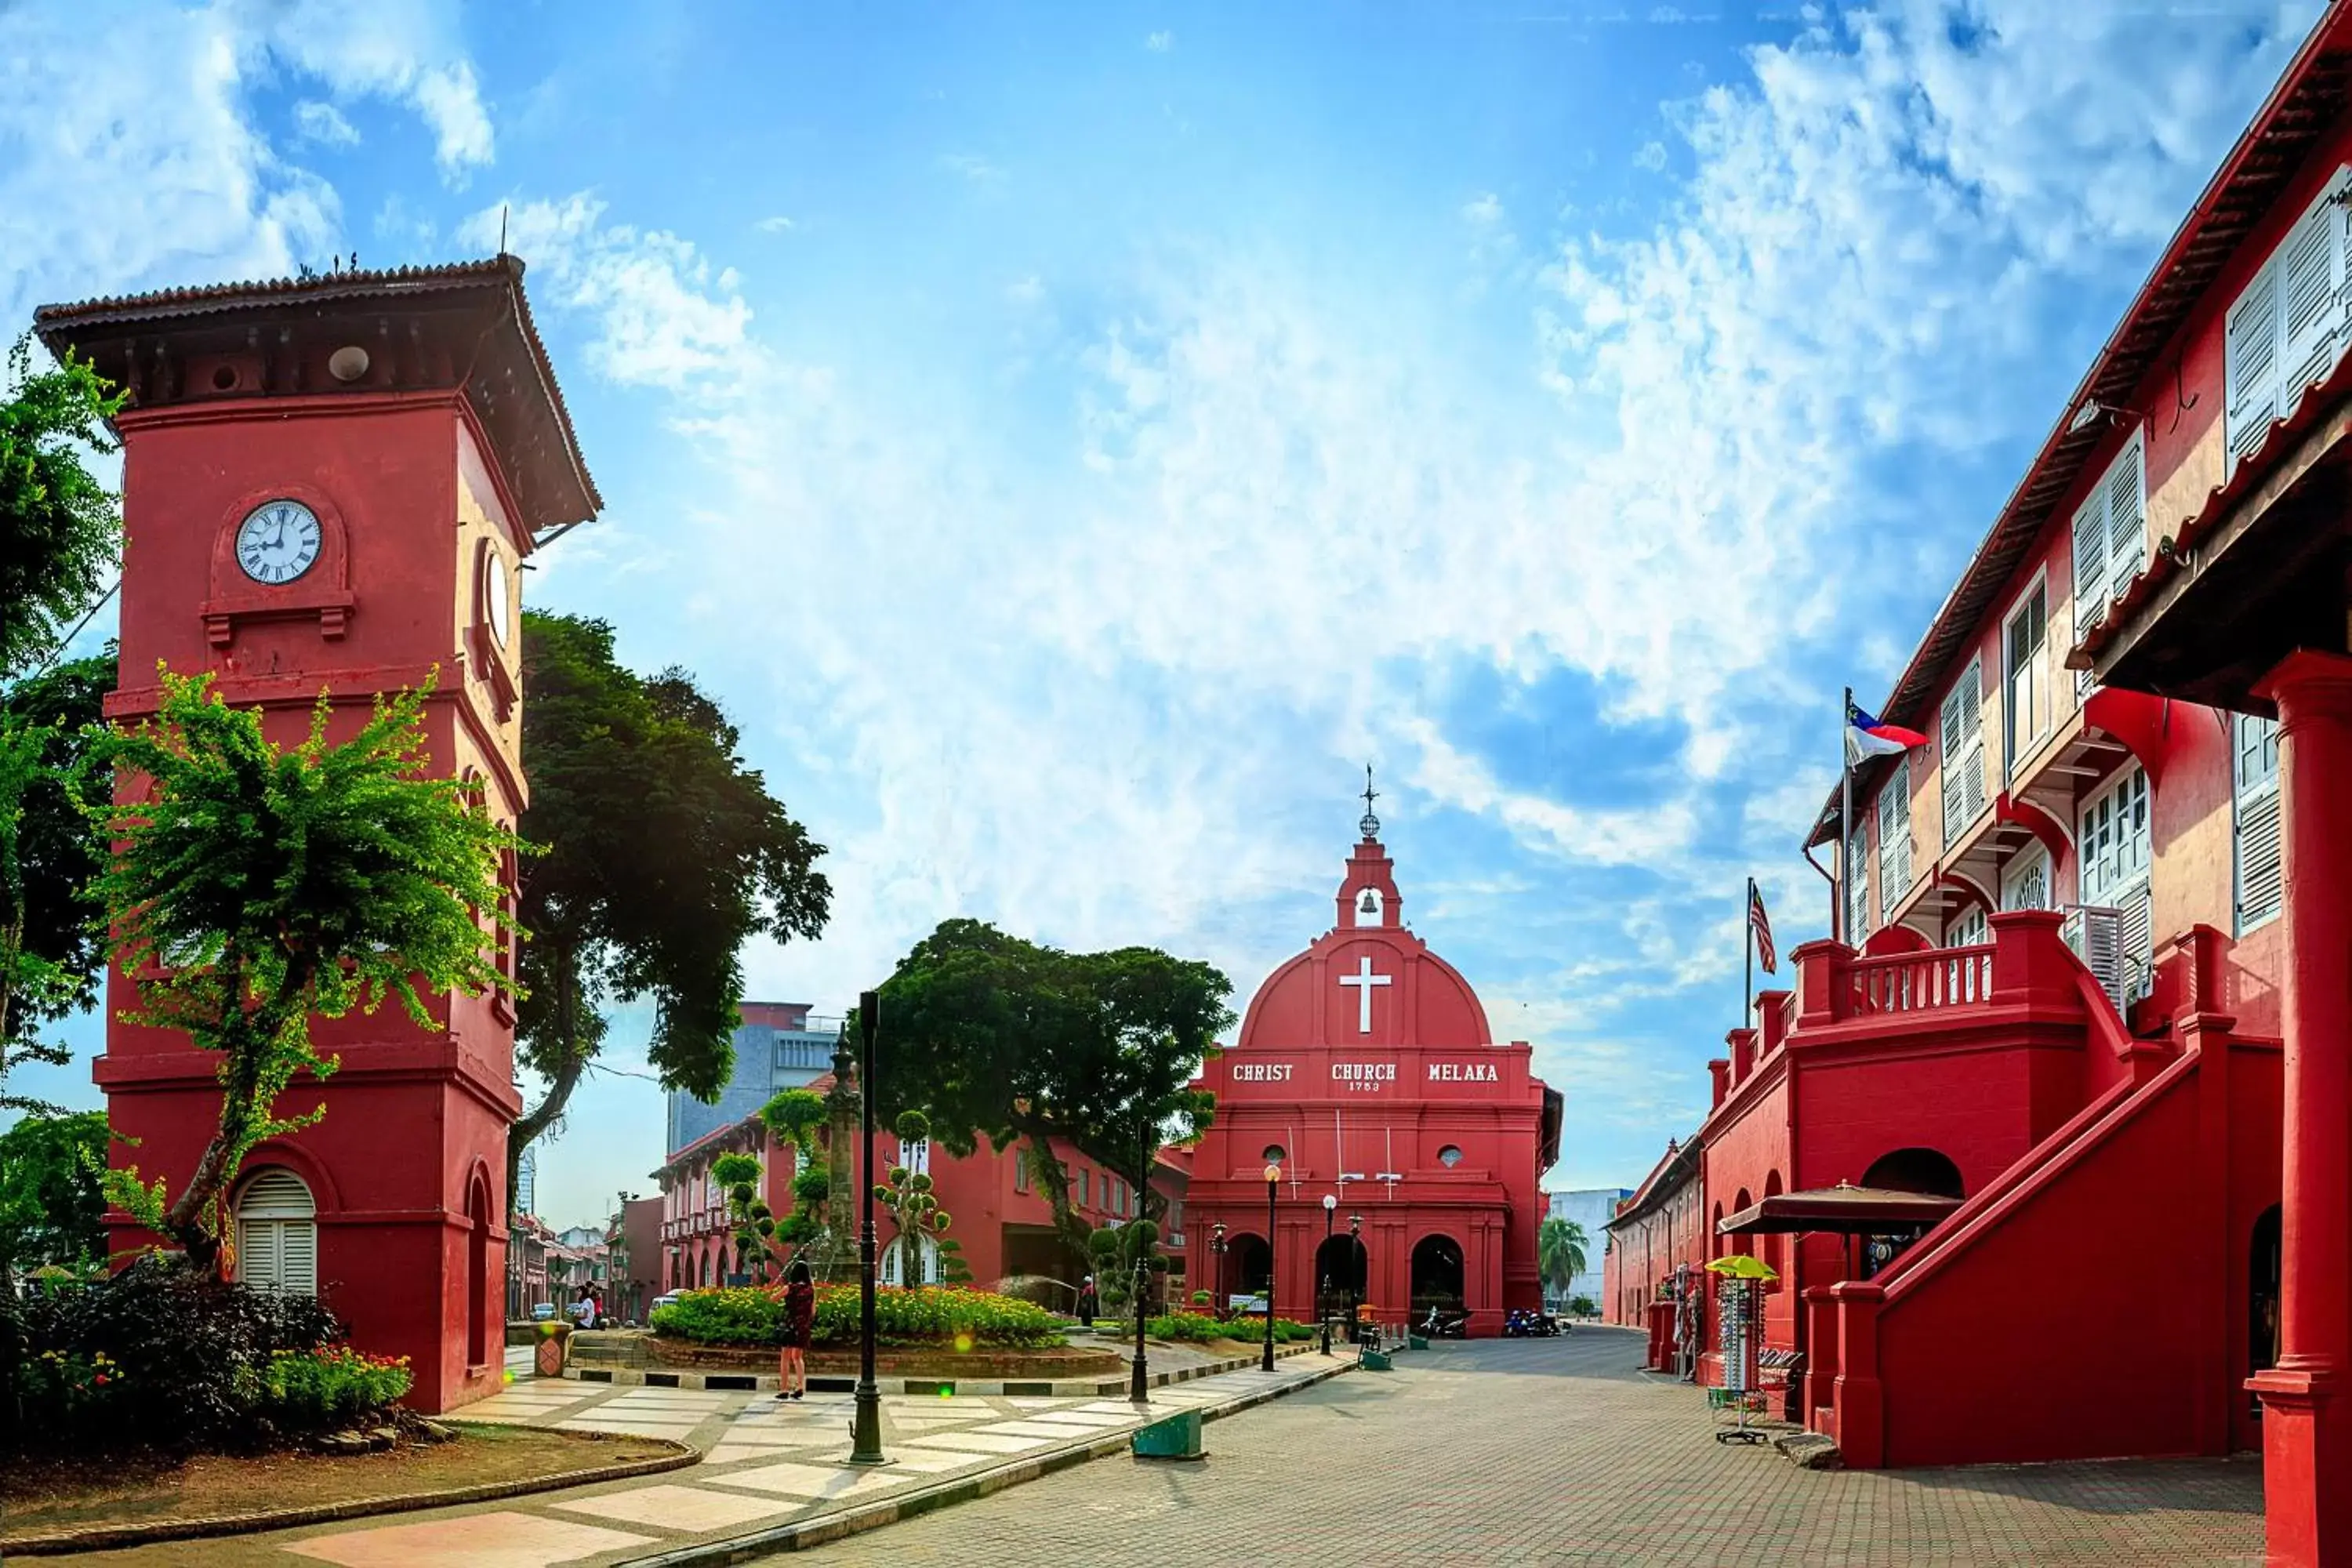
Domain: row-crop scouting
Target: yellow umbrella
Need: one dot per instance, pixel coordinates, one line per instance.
(1740, 1266)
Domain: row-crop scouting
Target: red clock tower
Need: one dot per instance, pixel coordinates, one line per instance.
(330, 483)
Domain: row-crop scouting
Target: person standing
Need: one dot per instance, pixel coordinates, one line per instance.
(800, 1328)
(1088, 1302)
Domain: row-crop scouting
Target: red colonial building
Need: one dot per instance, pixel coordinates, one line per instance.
(2092, 1033)
(1365, 1078)
(331, 484)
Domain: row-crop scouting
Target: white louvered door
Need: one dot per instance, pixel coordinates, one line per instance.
(277, 1234)
(2259, 849)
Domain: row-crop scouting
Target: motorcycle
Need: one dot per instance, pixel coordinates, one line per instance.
(1521, 1323)
(1443, 1325)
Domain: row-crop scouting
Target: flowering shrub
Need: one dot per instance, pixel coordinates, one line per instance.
(1197, 1329)
(333, 1385)
(184, 1361)
(931, 1315)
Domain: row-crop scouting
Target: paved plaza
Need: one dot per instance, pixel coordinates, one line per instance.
(1557, 1451)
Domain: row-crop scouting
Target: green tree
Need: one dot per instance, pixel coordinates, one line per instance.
(51, 1210)
(997, 1038)
(914, 1210)
(59, 528)
(664, 854)
(252, 887)
(1559, 1252)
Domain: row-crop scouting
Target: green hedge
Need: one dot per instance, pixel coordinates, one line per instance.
(940, 1315)
(1196, 1328)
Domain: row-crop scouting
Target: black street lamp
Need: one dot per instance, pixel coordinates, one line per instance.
(866, 1428)
(1323, 1308)
(1272, 1186)
(1355, 1251)
(1218, 1305)
(1138, 1383)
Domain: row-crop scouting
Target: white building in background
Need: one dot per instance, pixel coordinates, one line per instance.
(1592, 1208)
(779, 1046)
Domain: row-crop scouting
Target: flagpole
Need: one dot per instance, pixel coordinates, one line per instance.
(1748, 958)
(1842, 922)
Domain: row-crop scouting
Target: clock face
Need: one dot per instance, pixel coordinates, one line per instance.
(279, 543)
(494, 589)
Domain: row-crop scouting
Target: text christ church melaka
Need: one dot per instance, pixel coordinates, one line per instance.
(1366, 1071)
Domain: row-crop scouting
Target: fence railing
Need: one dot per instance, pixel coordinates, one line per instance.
(1918, 981)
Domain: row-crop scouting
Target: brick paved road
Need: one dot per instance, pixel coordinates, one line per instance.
(1556, 1452)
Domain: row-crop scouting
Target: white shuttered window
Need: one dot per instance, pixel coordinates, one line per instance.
(1964, 753)
(2256, 791)
(1894, 836)
(2110, 540)
(2115, 847)
(277, 1234)
(2287, 329)
(1854, 865)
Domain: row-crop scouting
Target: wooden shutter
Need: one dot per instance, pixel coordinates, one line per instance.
(2126, 520)
(1855, 865)
(277, 1234)
(2310, 283)
(1955, 737)
(1964, 759)
(2250, 357)
(2259, 849)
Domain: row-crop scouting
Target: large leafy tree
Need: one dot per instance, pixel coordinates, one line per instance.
(51, 1210)
(59, 529)
(252, 887)
(50, 953)
(998, 1038)
(664, 854)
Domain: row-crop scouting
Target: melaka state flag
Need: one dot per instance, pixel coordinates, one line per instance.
(1761, 923)
(1866, 737)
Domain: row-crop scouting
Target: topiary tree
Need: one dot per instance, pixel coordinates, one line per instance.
(1123, 1254)
(739, 1176)
(253, 887)
(914, 1211)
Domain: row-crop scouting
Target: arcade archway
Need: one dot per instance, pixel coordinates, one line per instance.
(1252, 1265)
(1436, 1274)
(478, 1273)
(1341, 1279)
(1926, 1171)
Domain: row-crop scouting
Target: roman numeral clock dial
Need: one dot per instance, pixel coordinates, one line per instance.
(279, 542)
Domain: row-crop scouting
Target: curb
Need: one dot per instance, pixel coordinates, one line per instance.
(1107, 1386)
(805, 1533)
(103, 1537)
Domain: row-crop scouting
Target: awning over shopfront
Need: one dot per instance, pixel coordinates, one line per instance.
(1840, 1210)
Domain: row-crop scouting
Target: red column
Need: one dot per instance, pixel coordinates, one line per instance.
(2307, 1417)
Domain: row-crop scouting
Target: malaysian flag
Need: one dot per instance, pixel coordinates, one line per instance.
(1761, 924)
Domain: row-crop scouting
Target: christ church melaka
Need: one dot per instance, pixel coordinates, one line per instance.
(1366, 1087)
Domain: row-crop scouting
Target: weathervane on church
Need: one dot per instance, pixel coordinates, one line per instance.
(1370, 824)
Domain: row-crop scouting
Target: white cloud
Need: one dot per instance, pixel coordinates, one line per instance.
(1653, 156)
(1160, 43)
(323, 123)
(410, 52)
(1484, 209)
(972, 167)
(1025, 290)
(779, 224)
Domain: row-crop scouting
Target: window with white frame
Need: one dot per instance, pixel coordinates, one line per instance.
(2025, 663)
(2255, 793)
(1969, 930)
(915, 1154)
(2025, 882)
(278, 1233)
(928, 1265)
(2110, 540)
(1964, 760)
(2115, 839)
(1895, 837)
(2285, 330)
(1854, 865)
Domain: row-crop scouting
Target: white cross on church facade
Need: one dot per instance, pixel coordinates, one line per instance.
(1364, 980)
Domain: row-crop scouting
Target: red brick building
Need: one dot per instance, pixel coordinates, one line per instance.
(1365, 1075)
(2098, 1007)
(333, 483)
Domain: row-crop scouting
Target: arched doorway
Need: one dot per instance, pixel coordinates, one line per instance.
(1929, 1171)
(1915, 1171)
(1252, 1266)
(2262, 1297)
(278, 1233)
(1340, 1274)
(1436, 1274)
(477, 1274)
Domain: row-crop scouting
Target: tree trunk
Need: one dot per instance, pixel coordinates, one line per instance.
(543, 1115)
(1052, 1182)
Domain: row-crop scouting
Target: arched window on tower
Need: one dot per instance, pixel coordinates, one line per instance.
(1368, 907)
(278, 1233)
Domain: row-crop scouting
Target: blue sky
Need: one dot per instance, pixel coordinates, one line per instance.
(1073, 441)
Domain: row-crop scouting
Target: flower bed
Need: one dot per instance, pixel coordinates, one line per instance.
(935, 1315)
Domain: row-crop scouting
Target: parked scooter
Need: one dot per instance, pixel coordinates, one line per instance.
(1442, 1324)
(1521, 1324)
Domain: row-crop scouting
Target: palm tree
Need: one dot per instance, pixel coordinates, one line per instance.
(1559, 1253)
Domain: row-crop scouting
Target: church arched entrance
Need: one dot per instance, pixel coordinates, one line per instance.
(1340, 1276)
(2262, 1297)
(1252, 1265)
(1436, 1274)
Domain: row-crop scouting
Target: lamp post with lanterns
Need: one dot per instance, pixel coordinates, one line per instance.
(1355, 1250)
(1272, 1186)
(1218, 1304)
